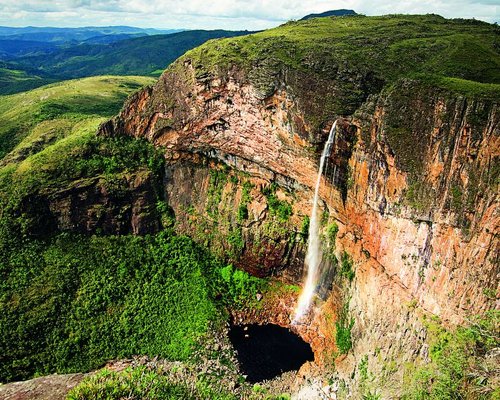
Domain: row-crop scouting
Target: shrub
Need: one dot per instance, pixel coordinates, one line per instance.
(346, 266)
(363, 368)
(166, 213)
(331, 232)
(458, 368)
(217, 181)
(236, 242)
(304, 228)
(245, 199)
(237, 287)
(242, 213)
(132, 383)
(343, 327)
(279, 208)
(371, 396)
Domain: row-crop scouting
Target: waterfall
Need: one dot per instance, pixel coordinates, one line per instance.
(314, 252)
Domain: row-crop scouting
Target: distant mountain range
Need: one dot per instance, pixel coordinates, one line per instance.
(331, 13)
(65, 35)
(27, 63)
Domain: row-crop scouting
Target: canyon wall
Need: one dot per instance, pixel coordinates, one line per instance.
(415, 186)
(412, 184)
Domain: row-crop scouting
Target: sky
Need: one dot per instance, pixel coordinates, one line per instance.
(224, 14)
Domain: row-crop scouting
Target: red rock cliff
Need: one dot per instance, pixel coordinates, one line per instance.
(415, 194)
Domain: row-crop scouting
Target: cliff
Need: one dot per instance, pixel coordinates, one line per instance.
(412, 182)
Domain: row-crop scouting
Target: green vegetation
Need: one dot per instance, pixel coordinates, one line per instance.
(329, 238)
(237, 288)
(143, 382)
(217, 181)
(331, 233)
(236, 242)
(365, 379)
(282, 209)
(56, 149)
(371, 396)
(343, 327)
(304, 228)
(64, 309)
(167, 216)
(132, 383)
(456, 196)
(73, 302)
(465, 87)
(80, 157)
(346, 269)
(35, 119)
(242, 213)
(417, 196)
(490, 293)
(363, 368)
(460, 367)
(261, 391)
(245, 199)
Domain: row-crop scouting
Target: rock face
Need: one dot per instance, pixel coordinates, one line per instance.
(412, 184)
(125, 205)
(121, 204)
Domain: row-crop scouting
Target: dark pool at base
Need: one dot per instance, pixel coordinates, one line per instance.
(266, 351)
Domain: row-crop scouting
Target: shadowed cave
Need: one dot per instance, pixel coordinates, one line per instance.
(266, 351)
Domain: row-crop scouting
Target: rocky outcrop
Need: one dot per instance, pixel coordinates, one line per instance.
(412, 184)
(50, 387)
(111, 204)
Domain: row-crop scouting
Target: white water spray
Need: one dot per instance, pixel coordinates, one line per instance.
(314, 253)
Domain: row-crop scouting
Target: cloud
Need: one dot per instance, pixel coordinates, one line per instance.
(229, 14)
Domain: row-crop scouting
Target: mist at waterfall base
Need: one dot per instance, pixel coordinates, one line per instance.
(314, 254)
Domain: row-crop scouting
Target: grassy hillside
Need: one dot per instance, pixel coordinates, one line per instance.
(14, 81)
(33, 119)
(388, 46)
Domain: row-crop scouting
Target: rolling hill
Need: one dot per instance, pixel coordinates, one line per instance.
(35, 119)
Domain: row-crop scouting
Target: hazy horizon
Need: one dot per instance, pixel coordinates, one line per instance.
(221, 14)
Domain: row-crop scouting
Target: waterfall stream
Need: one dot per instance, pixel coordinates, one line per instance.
(314, 253)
